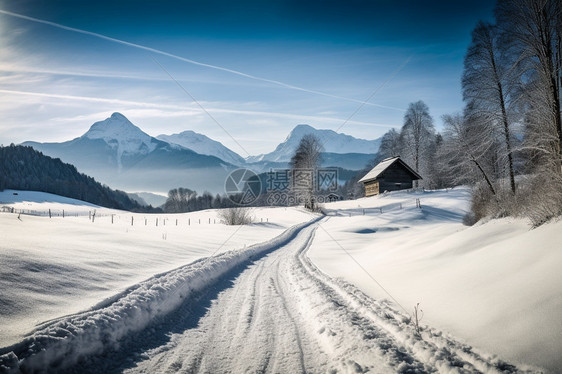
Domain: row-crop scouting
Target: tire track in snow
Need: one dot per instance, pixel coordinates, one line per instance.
(268, 342)
(277, 289)
(435, 351)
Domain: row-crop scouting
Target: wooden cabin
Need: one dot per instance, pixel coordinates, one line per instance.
(391, 174)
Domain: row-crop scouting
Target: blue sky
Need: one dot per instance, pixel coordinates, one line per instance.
(257, 67)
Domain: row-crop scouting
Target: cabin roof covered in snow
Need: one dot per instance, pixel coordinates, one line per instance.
(385, 164)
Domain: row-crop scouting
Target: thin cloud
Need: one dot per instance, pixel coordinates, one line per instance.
(163, 53)
(85, 98)
(190, 111)
(20, 69)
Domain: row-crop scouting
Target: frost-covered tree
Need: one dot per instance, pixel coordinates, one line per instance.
(417, 136)
(390, 144)
(179, 200)
(304, 165)
(439, 176)
(466, 152)
(532, 32)
(531, 35)
(487, 81)
(512, 81)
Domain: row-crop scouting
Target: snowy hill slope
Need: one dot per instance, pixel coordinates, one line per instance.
(332, 141)
(263, 306)
(496, 285)
(64, 342)
(41, 201)
(53, 267)
(203, 145)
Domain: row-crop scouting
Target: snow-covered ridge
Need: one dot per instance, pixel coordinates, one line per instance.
(66, 340)
(202, 145)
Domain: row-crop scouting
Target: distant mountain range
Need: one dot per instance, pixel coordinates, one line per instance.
(332, 142)
(120, 154)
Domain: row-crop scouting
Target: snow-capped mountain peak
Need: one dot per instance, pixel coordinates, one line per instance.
(301, 130)
(332, 142)
(203, 145)
(116, 127)
(120, 134)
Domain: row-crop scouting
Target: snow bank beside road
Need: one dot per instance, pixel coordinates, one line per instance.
(64, 342)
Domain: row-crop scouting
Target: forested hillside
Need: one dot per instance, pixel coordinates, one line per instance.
(23, 168)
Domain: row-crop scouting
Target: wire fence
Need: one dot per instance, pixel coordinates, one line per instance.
(360, 211)
(157, 219)
(131, 219)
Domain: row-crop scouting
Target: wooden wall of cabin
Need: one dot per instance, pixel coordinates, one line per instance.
(371, 188)
(395, 178)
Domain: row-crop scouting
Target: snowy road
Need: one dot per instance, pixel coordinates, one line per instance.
(281, 315)
(251, 326)
(273, 312)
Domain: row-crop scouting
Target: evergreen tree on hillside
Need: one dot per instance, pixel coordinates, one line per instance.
(23, 168)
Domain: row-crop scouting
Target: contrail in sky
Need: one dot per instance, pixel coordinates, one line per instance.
(157, 51)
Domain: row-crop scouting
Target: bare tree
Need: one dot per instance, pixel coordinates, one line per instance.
(179, 200)
(390, 144)
(532, 30)
(440, 176)
(467, 150)
(304, 165)
(512, 79)
(417, 135)
(486, 87)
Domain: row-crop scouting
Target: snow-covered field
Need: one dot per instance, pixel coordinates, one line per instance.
(59, 266)
(497, 285)
(294, 293)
